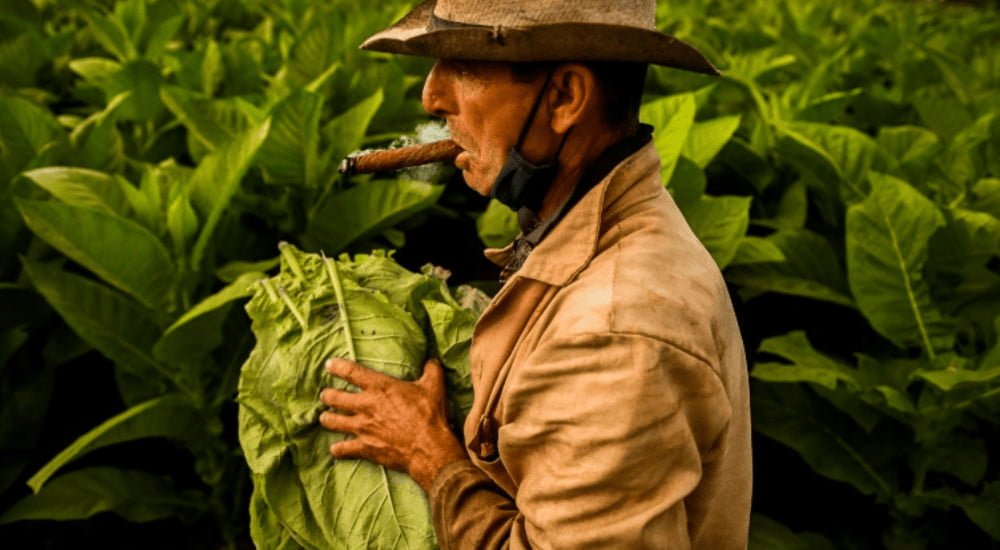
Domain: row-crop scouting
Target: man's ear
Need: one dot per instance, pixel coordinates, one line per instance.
(573, 95)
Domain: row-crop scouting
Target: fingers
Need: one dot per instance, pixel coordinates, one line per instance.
(351, 448)
(344, 400)
(340, 422)
(355, 373)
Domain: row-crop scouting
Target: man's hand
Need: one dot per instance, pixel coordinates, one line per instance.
(400, 425)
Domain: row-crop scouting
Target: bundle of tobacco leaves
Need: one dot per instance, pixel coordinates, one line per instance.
(369, 309)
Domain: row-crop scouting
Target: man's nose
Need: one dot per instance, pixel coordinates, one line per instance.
(438, 98)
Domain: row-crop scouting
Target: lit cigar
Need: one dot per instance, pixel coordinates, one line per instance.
(391, 160)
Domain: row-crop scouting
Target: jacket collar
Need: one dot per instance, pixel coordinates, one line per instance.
(572, 243)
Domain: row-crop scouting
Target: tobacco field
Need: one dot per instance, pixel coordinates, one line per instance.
(844, 172)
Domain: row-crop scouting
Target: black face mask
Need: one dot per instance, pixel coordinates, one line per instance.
(521, 184)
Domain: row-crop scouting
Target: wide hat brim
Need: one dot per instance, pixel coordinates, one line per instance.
(420, 33)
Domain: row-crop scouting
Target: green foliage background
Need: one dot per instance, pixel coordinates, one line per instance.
(843, 172)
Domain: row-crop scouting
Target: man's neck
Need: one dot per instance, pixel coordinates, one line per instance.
(583, 147)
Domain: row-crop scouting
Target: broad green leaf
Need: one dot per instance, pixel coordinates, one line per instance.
(708, 137)
(832, 446)
(983, 508)
(319, 45)
(170, 416)
(986, 196)
(807, 365)
(344, 132)
(27, 134)
(943, 115)
(96, 140)
(829, 152)
(755, 250)
(134, 495)
(199, 330)
(118, 250)
(810, 269)
(96, 70)
(212, 70)
(687, 184)
(963, 457)
(107, 320)
(311, 311)
(908, 144)
(82, 187)
(767, 534)
(948, 379)
(289, 154)
(216, 180)
(110, 35)
(141, 79)
(497, 225)
(265, 528)
(828, 107)
(673, 117)
(182, 224)
(367, 209)
(211, 123)
(792, 209)
(720, 224)
(887, 238)
(232, 271)
(452, 329)
(968, 241)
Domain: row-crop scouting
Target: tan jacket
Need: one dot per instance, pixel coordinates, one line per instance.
(611, 402)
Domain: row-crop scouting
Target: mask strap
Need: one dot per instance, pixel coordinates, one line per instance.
(534, 110)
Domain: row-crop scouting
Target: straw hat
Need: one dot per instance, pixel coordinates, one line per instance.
(538, 30)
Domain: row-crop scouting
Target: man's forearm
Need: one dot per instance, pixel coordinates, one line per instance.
(469, 510)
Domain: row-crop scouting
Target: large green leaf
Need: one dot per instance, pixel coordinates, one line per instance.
(107, 320)
(807, 365)
(831, 445)
(311, 311)
(810, 269)
(344, 132)
(118, 250)
(887, 238)
(171, 416)
(134, 495)
(83, 187)
(199, 330)
(720, 223)
(27, 134)
(767, 534)
(673, 117)
(835, 155)
(211, 123)
(497, 225)
(708, 137)
(366, 210)
(216, 180)
(289, 155)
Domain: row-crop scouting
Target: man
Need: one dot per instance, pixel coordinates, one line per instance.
(611, 406)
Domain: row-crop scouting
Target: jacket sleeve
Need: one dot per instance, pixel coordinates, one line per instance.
(604, 435)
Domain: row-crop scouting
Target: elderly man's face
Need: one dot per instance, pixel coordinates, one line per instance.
(485, 107)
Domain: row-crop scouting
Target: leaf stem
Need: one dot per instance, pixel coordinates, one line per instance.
(291, 306)
(338, 289)
(293, 262)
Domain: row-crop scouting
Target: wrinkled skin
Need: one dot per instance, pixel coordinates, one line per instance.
(400, 425)
(403, 425)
